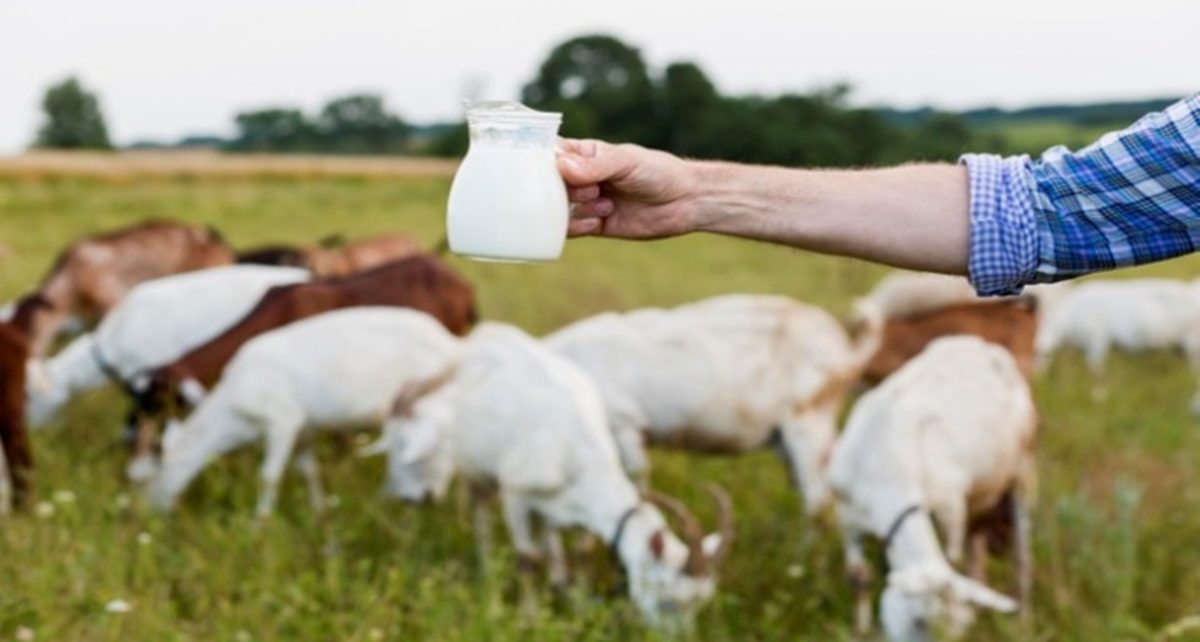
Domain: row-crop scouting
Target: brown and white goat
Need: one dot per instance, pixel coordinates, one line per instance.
(94, 273)
(421, 282)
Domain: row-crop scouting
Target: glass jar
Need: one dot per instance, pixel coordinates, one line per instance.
(508, 202)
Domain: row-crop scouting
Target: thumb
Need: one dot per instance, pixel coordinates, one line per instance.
(587, 162)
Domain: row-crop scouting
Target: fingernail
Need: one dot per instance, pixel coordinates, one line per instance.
(580, 227)
(569, 162)
(603, 207)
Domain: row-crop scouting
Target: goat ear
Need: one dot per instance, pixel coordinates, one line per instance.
(919, 579)
(192, 391)
(416, 443)
(711, 544)
(658, 544)
(36, 376)
(975, 593)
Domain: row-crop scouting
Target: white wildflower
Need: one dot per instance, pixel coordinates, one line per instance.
(24, 634)
(123, 501)
(43, 509)
(375, 634)
(118, 606)
(144, 538)
(64, 497)
(795, 571)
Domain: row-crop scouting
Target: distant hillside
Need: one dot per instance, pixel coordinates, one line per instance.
(1084, 115)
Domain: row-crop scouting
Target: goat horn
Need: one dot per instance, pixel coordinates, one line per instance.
(724, 521)
(692, 533)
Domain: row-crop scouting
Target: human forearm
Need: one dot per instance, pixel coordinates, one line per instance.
(914, 216)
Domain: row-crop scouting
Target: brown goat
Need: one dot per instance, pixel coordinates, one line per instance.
(423, 282)
(93, 274)
(333, 257)
(14, 349)
(1011, 323)
(360, 255)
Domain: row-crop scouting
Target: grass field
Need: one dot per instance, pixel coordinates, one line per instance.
(1035, 136)
(1116, 526)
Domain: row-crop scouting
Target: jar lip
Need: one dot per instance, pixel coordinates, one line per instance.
(507, 111)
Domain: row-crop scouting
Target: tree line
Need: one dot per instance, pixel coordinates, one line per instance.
(605, 89)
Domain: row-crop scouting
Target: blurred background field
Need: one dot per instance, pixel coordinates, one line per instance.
(1116, 554)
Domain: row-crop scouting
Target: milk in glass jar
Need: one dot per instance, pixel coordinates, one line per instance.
(508, 202)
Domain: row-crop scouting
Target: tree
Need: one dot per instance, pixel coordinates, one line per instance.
(687, 100)
(602, 87)
(73, 119)
(274, 130)
(360, 124)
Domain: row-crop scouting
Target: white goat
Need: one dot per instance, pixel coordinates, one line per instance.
(519, 418)
(335, 370)
(727, 374)
(901, 294)
(1133, 315)
(948, 436)
(158, 321)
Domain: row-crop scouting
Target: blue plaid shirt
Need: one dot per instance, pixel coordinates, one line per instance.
(1131, 197)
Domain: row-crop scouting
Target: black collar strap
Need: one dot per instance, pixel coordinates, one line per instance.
(614, 545)
(898, 523)
(107, 368)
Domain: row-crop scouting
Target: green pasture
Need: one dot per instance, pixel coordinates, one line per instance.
(1117, 532)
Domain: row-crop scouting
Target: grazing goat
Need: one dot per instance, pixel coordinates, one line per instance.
(17, 456)
(1010, 322)
(948, 437)
(158, 321)
(337, 258)
(515, 417)
(901, 294)
(421, 282)
(724, 375)
(338, 369)
(1133, 315)
(93, 274)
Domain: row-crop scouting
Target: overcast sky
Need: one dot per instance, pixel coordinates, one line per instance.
(165, 69)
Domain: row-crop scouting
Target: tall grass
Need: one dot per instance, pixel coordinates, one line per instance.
(1115, 527)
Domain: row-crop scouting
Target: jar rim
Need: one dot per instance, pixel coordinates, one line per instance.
(506, 111)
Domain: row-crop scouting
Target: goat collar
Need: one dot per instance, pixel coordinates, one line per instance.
(898, 523)
(109, 371)
(614, 547)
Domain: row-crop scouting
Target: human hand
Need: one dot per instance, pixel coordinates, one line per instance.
(626, 191)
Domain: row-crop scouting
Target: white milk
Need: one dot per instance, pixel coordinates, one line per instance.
(508, 204)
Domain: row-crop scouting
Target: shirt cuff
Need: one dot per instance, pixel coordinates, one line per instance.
(1004, 246)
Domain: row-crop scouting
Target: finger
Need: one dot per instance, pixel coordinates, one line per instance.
(585, 147)
(585, 193)
(598, 208)
(607, 162)
(584, 226)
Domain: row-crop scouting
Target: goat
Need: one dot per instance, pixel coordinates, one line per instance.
(724, 375)
(1008, 322)
(948, 436)
(422, 282)
(519, 418)
(93, 274)
(335, 257)
(17, 454)
(1134, 315)
(338, 369)
(154, 324)
(902, 294)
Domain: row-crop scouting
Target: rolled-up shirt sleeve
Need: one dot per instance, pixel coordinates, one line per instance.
(1132, 197)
